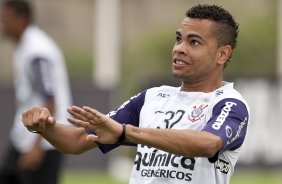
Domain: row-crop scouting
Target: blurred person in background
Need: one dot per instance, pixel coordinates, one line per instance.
(188, 134)
(40, 79)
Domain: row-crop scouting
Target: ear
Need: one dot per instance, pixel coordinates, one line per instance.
(224, 53)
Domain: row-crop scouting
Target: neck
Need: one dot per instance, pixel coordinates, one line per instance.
(202, 86)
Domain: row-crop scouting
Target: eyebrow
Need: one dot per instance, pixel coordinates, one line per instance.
(190, 35)
(194, 35)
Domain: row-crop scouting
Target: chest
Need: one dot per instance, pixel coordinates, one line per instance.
(176, 111)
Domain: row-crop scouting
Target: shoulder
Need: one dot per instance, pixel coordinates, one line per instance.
(227, 95)
(228, 91)
(161, 91)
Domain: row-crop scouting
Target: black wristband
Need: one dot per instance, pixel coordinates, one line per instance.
(122, 135)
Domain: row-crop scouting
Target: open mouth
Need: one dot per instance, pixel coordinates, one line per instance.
(179, 62)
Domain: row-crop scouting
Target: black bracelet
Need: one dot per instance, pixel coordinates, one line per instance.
(34, 131)
(122, 135)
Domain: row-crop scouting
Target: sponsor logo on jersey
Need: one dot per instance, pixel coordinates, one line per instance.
(219, 92)
(197, 113)
(228, 131)
(223, 115)
(163, 95)
(241, 126)
(154, 163)
(223, 166)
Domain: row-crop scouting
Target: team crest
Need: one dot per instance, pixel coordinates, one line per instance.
(197, 113)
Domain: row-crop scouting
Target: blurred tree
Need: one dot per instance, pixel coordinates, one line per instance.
(256, 54)
(79, 64)
(148, 62)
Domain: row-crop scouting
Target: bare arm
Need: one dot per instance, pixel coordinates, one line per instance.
(32, 158)
(182, 142)
(65, 138)
(68, 139)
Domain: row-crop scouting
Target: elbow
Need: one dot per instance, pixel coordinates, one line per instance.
(211, 147)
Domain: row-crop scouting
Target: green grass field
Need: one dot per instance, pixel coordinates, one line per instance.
(88, 177)
(239, 177)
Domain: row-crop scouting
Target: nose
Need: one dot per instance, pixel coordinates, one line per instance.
(179, 48)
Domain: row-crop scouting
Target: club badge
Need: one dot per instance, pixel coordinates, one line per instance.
(197, 113)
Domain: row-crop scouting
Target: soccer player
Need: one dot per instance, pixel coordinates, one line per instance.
(187, 134)
(40, 79)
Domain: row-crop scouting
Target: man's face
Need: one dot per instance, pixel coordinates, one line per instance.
(9, 22)
(195, 53)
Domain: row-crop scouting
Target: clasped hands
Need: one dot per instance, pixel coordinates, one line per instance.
(106, 129)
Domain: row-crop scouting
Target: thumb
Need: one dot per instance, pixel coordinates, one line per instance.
(50, 120)
(91, 138)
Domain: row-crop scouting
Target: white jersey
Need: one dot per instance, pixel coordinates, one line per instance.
(39, 71)
(222, 112)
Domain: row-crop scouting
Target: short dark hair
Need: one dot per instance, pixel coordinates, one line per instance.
(20, 7)
(226, 29)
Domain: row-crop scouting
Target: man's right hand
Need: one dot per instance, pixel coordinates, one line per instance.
(38, 119)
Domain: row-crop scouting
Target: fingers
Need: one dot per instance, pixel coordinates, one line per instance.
(85, 114)
(36, 119)
(27, 117)
(78, 122)
(94, 112)
(40, 117)
(50, 120)
(30, 119)
(80, 113)
(86, 117)
(98, 119)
